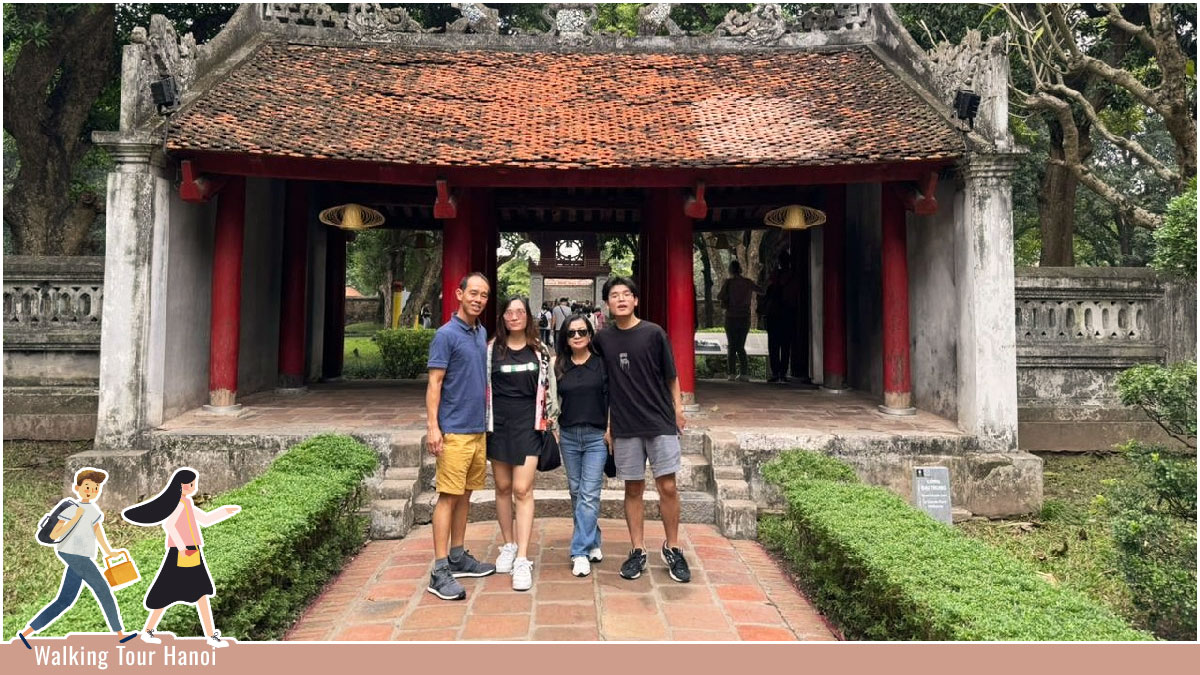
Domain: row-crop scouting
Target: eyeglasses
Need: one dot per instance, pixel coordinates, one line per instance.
(514, 313)
(579, 332)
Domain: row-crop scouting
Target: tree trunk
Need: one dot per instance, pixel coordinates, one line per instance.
(1056, 207)
(422, 292)
(706, 269)
(48, 96)
(753, 266)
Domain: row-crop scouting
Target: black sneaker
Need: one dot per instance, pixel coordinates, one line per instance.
(676, 565)
(634, 564)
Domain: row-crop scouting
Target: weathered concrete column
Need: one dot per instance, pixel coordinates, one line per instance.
(834, 313)
(137, 197)
(897, 371)
(292, 320)
(225, 334)
(987, 360)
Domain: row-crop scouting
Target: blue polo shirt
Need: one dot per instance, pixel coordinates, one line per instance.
(461, 350)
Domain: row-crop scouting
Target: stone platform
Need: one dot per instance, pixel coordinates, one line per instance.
(738, 592)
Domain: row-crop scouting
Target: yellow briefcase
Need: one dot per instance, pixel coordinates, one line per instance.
(120, 570)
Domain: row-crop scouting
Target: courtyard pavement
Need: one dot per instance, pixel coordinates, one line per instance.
(738, 592)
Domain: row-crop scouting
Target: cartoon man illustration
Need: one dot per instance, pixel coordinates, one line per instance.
(75, 537)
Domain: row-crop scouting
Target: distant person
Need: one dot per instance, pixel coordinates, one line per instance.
(736, 295)
(426, 317)
(645, 418)
(456, 407)
(781, 321)
(561, 311)
(598, 319)
(544, 322)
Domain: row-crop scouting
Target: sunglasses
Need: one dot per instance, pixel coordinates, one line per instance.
(579, 332)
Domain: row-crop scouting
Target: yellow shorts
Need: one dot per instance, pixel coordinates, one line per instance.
(462, 465)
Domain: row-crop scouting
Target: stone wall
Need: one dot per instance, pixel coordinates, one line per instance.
(52, 309)
(364, 310)
(1077, 329)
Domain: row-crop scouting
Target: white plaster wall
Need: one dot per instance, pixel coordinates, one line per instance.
(316, 297)
(933, 307)
(816, 325)
(864, 291)
(187, 305)
(262, 255)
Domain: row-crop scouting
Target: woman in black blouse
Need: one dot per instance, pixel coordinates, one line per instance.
(583, 387)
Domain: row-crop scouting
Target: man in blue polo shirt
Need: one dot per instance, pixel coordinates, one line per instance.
(456, 402)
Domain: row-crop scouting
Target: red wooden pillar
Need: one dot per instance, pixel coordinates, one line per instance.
(680, 292)
(456, 254)
(485, 239)
(334, 344)
(652, 305)
(897, 379)
(225, 329)
(834, 314)
(292, 319)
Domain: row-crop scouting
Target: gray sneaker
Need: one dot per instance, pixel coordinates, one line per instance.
(445, 586)
(468, 566)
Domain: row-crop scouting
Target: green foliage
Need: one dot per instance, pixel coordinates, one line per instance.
(405, 351)
(1154, 529)
(1175, 241)
(1166, 393)
(299, 521)
(800, 466)
(513, 278)
(361, 359)
(716, 367)
(884, 571)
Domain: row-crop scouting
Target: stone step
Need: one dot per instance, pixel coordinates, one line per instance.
(694, 475)
(406, 450)
(391, 518)
(695, 507)
(395, 489)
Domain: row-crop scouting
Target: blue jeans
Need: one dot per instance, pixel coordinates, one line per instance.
(80, 570)
(583, 455)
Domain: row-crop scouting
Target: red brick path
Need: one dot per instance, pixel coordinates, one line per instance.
(737, 593)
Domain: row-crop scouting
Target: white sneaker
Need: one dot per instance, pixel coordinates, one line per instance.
(504, 561)
(147, 636)
(215, 640)
(595, 555)
(522, 574)
(582, 566)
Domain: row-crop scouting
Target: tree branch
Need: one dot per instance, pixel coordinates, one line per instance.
(1138, 32)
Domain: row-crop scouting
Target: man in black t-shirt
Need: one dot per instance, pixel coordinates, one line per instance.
(645, 417)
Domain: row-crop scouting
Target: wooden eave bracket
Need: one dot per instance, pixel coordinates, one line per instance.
(923, 203)
(196, 187)
(695, 206)
(445, 207)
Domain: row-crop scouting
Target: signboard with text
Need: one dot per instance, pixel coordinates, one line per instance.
(931, 492)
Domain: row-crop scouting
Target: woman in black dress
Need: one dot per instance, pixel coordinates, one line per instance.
(183, 576)
(522, 407)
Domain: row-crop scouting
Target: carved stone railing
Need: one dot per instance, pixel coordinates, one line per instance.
(1076, 330)
(52, 303)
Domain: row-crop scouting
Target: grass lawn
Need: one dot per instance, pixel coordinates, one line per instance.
(33, 475)
(1067, 539)
(361, 360)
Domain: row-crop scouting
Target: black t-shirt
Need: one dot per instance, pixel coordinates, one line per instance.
(515, 374)
(584, 392)
(639, 365)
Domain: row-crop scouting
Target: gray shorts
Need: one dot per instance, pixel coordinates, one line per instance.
(630, 455)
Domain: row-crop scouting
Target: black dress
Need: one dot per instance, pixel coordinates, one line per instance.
(514, 399)
(179, 584)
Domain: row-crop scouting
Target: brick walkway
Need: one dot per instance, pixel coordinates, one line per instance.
(737, 593)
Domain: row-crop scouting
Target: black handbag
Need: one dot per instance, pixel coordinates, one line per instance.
(610, 465)
(549, 458)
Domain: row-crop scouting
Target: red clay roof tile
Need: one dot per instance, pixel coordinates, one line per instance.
(548, 110)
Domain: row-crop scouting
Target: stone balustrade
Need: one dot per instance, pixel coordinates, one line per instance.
(1076, 330)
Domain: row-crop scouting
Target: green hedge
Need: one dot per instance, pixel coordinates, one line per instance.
(883, 570)
(405, 351)
(299, 521)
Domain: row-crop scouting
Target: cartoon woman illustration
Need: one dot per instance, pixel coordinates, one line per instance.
(183, 576)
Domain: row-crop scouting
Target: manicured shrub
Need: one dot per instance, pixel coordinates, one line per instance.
(883, 570)
(405, 351)
(1175, 241)
(299, 521)
(1167, 394)
(1154, 529)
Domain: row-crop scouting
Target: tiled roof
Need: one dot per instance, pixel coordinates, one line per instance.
(548, 110)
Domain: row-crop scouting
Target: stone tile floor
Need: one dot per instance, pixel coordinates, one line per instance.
(738, 592)
(399, 406)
